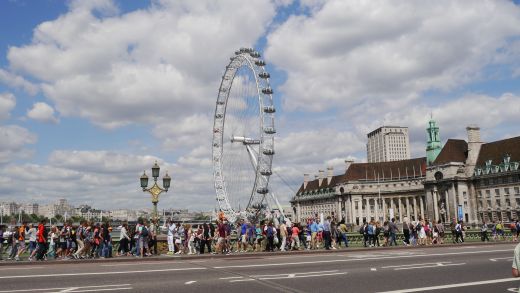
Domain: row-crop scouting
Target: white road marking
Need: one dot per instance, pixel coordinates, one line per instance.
(99, 273)
(74, 289)
(190, 282)
(361, 259)
(141, 263)
(501, 258)
(399, 266)
(97, 290)
(24, 268)
(435, 266)
(303, 273)
(458, 285)
(423, 265)
(229, 278)
(373, 269)
(289, 276)
(242, 280)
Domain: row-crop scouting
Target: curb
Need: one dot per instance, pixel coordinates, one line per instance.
(242, 255)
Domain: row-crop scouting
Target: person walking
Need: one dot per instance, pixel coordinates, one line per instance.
(377, 232)
(295, 239)
(484, 232)
(393, 232)
(343, 233)
(42, 234)
(459, 232)
(363, 230)
(283, 235)
(406, 232)
(170, 226)
(124, 240)
(270, 231)
(440, 229)
(206, 238)
(314, 228)
(21, 241)
(326, 233)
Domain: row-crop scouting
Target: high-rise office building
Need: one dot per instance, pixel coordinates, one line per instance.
(388, 143)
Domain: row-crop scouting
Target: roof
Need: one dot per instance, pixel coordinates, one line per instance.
(496, 151)
(386, 170)
(455, 150)
(314, 184)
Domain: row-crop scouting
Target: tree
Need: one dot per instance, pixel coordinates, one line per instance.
(201, 217)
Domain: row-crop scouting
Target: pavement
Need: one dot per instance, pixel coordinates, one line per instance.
(461, 268)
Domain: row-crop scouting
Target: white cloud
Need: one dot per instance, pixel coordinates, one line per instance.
(188, 132)
(13, 140)
(351, 53)
(7, 103)
(42, 112)
(106, 162)
(162, 62)
(486, 111)
(17, 81)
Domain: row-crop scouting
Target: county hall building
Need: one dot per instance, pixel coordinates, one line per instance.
(464, 179)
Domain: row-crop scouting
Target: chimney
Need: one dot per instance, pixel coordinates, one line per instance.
(305, 180)
(321, 177)
(348, 163)
(473, 133)
(474, 144)
(330, 173)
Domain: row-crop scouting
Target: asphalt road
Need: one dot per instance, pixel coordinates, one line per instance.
(482, 268)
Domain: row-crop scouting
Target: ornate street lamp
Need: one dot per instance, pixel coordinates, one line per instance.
(155, 190)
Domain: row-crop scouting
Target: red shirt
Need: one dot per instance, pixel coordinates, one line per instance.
(295, 231)
(41, 238)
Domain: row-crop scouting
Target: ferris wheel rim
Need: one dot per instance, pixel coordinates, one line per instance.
(251, 59)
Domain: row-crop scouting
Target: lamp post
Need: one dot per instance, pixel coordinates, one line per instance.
(155, 190)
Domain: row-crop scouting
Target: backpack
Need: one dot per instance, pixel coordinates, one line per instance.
(16, 235)
(144, 232)
(269, 231)
(361, 230)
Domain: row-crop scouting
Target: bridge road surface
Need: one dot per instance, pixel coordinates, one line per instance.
(479, 268)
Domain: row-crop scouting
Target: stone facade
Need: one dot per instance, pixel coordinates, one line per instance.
(467, 180)
(366, 191)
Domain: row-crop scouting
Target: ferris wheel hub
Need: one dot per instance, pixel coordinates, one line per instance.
(245, 140)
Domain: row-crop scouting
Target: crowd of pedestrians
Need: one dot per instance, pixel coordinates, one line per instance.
(94, 240)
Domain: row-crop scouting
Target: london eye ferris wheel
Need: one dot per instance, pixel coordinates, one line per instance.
(243, 136)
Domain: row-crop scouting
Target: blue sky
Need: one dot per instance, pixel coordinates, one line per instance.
(92, 92)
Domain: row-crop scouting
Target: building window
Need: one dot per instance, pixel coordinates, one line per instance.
(488, 193)
(464, 194)
(506, 191)
(497, 203)
(486, 182)
(497, 192)
(517, 190)
(479, 193)
(518, 202)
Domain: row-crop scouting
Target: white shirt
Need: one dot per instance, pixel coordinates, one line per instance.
(171, 229)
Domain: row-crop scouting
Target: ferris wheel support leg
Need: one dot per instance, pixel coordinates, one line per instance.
(252, 156)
